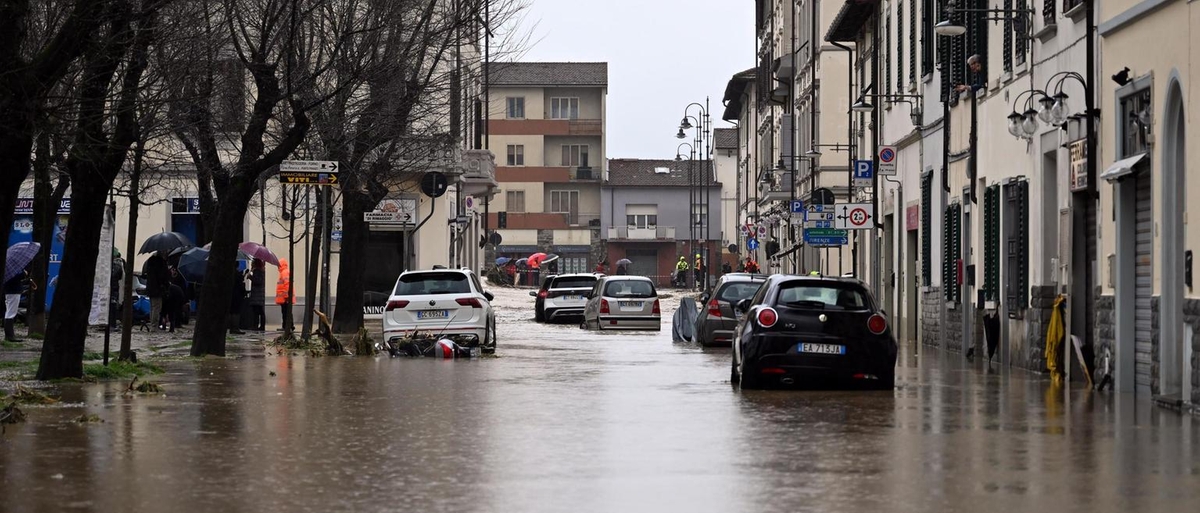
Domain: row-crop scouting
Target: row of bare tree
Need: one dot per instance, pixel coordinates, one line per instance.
(106, 97)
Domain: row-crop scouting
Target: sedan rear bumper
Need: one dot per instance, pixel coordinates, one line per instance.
(630, 323)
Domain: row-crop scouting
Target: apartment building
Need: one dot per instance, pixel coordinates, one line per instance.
(646, 219)
(793, 136)
(546, 125)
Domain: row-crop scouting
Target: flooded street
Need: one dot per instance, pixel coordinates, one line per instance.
(566, 420)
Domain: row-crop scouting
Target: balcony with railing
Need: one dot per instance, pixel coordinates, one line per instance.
(633, 233)
(778, 188)
(543, 220)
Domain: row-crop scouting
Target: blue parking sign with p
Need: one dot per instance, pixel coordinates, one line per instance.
(797, 206)
(864, 169)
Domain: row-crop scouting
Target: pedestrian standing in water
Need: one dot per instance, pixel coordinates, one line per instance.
(235, 302)
(282, 290)
(12, 303)
(258, 294)
(158, 283)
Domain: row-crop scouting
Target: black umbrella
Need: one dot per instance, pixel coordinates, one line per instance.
(164, 243)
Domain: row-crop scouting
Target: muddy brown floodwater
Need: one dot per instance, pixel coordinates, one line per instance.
(565, 420)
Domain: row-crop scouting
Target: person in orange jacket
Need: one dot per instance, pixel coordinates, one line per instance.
(751, 265)
(283, 288)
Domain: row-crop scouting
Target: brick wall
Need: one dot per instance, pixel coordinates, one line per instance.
(931, 316)
(1037, 321)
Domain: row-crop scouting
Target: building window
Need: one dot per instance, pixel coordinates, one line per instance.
(565, 202)
(700, 214)
(575, 155)
(516, 108)
(230, 84)
(1048, 14)
(564, 108)
(516, 154)
(641, 220)
(1135, 114)
(514, 201)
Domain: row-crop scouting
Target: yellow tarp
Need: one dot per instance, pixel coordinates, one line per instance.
(1054, 337)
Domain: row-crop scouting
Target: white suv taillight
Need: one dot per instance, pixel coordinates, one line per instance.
(469, 301)
(396, 304)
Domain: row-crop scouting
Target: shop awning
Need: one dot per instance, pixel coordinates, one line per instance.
(1122, 168)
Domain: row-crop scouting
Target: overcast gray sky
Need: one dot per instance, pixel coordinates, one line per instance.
(661, 54)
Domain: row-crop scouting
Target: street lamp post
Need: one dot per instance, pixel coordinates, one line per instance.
(703, 149)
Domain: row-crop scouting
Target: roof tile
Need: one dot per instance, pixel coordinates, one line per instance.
(548, 74)
(641, 173)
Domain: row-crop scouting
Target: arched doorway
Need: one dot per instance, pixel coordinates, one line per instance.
(1173, 355)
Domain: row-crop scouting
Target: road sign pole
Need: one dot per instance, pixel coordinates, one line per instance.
(326, 235)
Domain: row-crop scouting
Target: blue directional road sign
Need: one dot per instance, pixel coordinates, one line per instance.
(825, 237)
(752, 244)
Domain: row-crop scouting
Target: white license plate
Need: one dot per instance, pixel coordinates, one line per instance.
(821, 348)
(433, 314)
(572, 298)
(630, 304)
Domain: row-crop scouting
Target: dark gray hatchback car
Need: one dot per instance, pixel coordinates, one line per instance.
(717, 321)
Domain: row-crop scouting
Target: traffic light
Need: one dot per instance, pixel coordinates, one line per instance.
(502, 220)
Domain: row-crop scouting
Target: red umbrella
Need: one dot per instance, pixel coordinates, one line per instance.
(535, 260)
(260, 252)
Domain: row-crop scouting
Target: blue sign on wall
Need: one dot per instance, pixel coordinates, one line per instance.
(22, 231)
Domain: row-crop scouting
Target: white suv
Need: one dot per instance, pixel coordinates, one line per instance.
(443, 303)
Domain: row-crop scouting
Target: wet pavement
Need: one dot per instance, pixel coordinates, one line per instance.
(565, 420)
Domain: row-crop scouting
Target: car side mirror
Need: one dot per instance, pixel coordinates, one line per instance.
(488, 296)
(742, 306)
(705, 297)
(533, 293)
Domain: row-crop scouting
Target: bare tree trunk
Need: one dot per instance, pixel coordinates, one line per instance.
(46, 200)
(135, 178)
(312, 276)
(348, 316)
(215, 295)
(62, 351)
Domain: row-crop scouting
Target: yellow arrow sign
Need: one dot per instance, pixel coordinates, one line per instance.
(308, 178)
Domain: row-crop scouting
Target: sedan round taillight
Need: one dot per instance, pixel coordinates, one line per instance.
(767, 317)
(877, 324)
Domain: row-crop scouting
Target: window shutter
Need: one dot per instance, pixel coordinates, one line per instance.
(979, 41)
(958, 58)
(887, 53)
(1048, 14)
(912, 42)
(1008, 38)
(1017, 293)
(927, 228)
(928, 43)
(899, 47)
(1022, 43)
(991, 243)
(951, 250)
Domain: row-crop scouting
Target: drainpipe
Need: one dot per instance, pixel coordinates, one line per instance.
(849, 132)
(875, 129)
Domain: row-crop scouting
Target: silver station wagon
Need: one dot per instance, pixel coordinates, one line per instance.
(622, 303)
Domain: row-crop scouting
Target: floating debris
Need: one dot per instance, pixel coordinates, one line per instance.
(28, 396)
(89, 418)
(11, 414)
(145, 387)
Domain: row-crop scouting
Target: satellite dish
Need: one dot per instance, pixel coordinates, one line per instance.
(434, 184)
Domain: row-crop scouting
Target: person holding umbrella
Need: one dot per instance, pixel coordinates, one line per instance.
(158, 283)
(258, 294)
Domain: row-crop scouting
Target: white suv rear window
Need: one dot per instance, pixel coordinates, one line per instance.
(420, 284)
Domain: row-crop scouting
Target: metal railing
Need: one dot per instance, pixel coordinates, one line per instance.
(635, 233)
